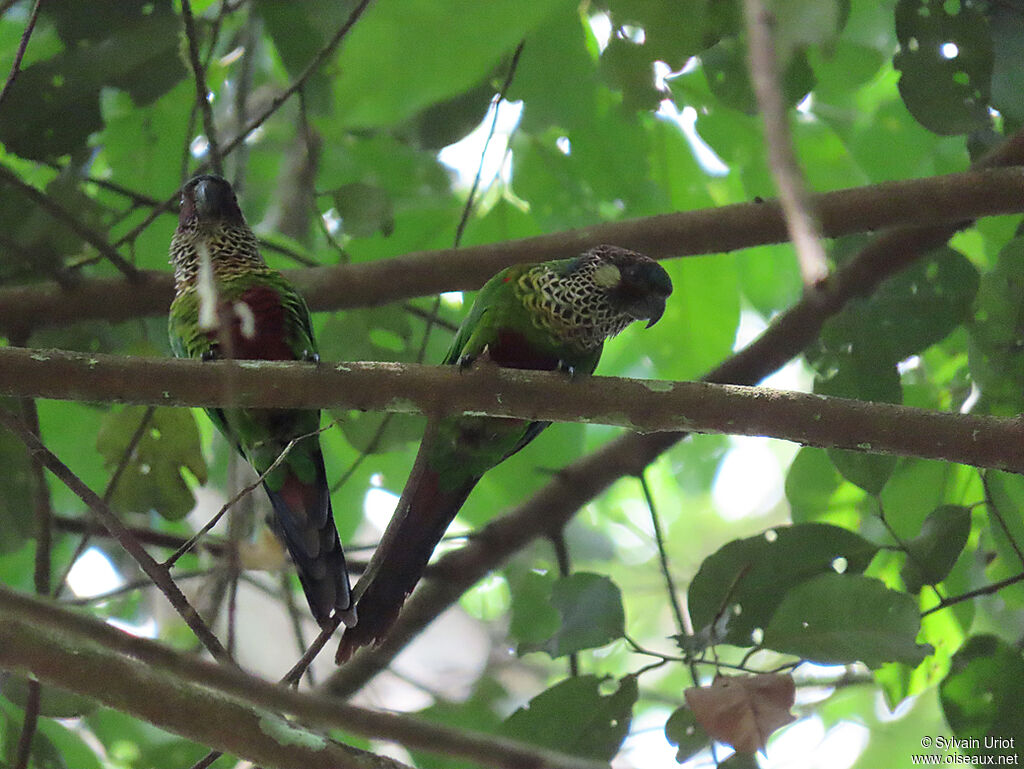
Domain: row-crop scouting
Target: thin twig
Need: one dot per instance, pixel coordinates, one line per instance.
(994, 511)
(498, 101)
(69, 220)
(995, 587)
(202, 90)
(194, 539)
(557, 538)
(28, 728)
(804, 230)
(682, 619)
(41, 576)
(20, 54)
(295, 617)
(108, 494)
(131, 587)
(113, 524)
(274, 105)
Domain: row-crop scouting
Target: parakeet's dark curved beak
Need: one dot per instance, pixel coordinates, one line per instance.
(659, 288)
(656, 308)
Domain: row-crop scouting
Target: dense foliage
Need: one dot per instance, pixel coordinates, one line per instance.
(892, 588)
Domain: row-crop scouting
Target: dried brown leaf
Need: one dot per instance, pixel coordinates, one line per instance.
(743, 711)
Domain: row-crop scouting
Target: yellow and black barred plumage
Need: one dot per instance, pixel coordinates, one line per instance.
(229, 303)
(547, 316)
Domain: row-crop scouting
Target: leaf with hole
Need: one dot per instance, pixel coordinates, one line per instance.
(574, 717)
(683, 731)
(746, 579)
(845, 618)
(154, 476)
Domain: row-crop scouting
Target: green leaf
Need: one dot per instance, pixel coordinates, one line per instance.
(846, 618)
(575, 718)
(912, 310)
(153, 479)
(946, 95)
(1005, 496)
(981, 696)
(725, 66)
(667, 37)
(996, 335)
(467, 40)
(627, 68)
(591, 610)
(364, 209)
(1007, 28)
(300, 29)
(810, 483)
(806, 22)
(932, 553)
(747, 579)
(134, 46)
(534, 620)
(683, 731)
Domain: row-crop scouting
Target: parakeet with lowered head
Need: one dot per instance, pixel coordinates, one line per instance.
(546, 316)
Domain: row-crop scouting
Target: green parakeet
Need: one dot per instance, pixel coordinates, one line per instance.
(228, 303)
(547, 316)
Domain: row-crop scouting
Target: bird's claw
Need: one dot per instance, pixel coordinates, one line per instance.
(309, 356)
(568, 368)
(208, 355)
(465, 361)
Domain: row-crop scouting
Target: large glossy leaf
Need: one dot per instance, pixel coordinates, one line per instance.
(596, 725)
(946, 89)
(467, 39)
(132, 46)
(747, 579)
(845, 618)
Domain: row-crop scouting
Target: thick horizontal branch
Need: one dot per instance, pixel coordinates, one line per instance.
(639, 405)
(936, 200)
(224, 707)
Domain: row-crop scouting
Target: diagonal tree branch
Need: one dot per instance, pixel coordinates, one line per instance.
(226, 707)
(112, 523)
(933, 201)
(68, 219)
(764, 75)
(202, 91)
(22, 45)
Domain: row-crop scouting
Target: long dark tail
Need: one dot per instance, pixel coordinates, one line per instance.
(306, 524)
(421, 518)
